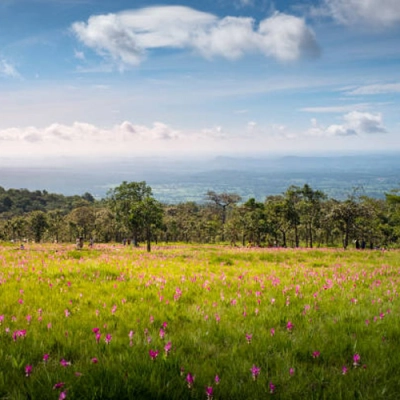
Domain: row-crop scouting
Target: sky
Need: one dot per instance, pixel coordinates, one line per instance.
(97, 78)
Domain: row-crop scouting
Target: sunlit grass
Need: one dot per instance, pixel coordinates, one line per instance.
(212, 299)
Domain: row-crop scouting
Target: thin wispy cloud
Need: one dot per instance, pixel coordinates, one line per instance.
(336, 109)
(8, 70)
(127, 37)
(376, 13)
(375, 89)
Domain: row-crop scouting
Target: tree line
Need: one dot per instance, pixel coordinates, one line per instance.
(299, 217)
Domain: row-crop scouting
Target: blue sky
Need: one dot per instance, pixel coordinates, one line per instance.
(119, 77)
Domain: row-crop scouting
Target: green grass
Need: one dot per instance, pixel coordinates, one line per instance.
(210, 297)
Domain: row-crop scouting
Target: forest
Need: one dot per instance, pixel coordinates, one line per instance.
(298, 217)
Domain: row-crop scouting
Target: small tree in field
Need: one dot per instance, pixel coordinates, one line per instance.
(136, 209)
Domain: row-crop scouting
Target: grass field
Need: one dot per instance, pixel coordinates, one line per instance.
(198, 322)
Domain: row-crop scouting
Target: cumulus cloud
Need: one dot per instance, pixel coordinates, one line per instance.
(354, 123)
(80, 133)
(8, 70)
(380, 13)
(127, 37)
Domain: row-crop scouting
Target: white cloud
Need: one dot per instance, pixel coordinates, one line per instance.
(380, 13)
(336, 109)
(8, 70)
(80, 133)
(376, 89)
(127, 37)
(354, 123)
(365, 122)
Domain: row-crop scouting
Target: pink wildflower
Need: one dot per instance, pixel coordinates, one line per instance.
(291, 371)
(94, 360)
(209, 392)
(98, 336)
(190, 380)
(67, 313)
(108, 338)
(255, 371)
(316, 354)
(58, 385)
(63, 395)
(272, 388)
(96, 330)
(28, 370)
(162, 333)
(65, 363)
(289, 326)
(217, 379)
(153, 354)
(249, 337)
(344, 370)
(272, 331)
(45, 357)
(356, 359)
(167, 347)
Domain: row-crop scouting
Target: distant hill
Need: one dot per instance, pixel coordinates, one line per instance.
(176, 180)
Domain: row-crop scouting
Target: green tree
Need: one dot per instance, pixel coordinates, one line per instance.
(136, 209)
(38, 225)
(222, 202)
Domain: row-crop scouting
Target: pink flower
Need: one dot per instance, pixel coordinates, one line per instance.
(316, 354)
(153, 354)
(291, 371)
(271, 388)
(272, 331)
(190, 380)
(18, 333)
(45, 357)
(164, 325)
(96, 330)
(249, 337)
(167, 347)
(217, 379)
(289, 326)
(131, 333)
(67, 313)
(94, 360)
(65, 363)
(108, 338)
(356, 359)
(1, 319)
(63, 395)
(255, 371)
(28, 370)
(58, 385)
(209, 392)
(162, 333)
(344, 370)
(98, 336)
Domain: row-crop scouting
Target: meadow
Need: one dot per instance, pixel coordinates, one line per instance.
(198, 322)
